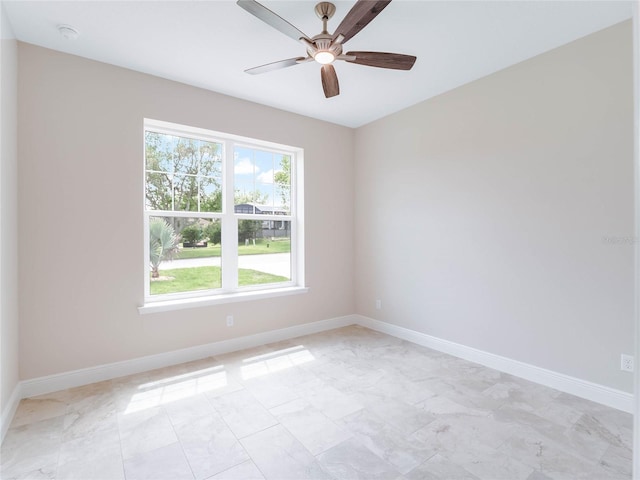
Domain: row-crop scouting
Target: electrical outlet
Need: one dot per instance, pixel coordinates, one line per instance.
(626, 363)
(378, 304)
(229, 320)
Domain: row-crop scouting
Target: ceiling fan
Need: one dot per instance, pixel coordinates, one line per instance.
(325, 47)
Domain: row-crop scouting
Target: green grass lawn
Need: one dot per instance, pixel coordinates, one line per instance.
(261, 247)
(203, 278)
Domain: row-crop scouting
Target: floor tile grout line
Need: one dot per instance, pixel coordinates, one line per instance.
(238, 440)
(175, 432)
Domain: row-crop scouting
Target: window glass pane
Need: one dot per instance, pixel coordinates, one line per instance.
(184, 254)
(210, 195)
(282, 180)
(254, 177)
(185, 193)
(264, 252)
(157, 152)
(188, 167)
(246, 194)
(263, 194)
(158, 191)
(185, 155)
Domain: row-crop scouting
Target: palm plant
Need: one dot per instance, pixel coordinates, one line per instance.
(163, 244)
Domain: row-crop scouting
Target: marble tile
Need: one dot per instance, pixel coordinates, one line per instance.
(614, 420)
(513, 416)
(310, 426)
(618, 460)
(559, 413)
(84, 395)
(459, 391)
(494, 466)
(93, 414)
(244, 471)
(524, 396)
(270, 392)
(617, 431)
(463, 438)
(440, 468)
(210, 446)
(243, 413)
(100, 467)
(536, 475)
(31, 410)
(98, 444)
(405, 390)
(441, 405)
(189, 410)
(144, 431)
(165, 463)
(38, 439)
(279, 456)
(343, 375)
(329, 400)
(351, 460)
(590, 438)
(387, 442)
(403, 416)
(552, 458)
(30, 468)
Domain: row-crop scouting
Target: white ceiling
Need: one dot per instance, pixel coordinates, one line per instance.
(209, 44)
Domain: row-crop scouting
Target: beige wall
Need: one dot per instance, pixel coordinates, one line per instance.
(481, 213)
(8, 214)
(81, 237)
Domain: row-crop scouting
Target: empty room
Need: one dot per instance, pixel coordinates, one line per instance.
(278, 239)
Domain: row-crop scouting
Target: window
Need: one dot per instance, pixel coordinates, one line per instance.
(222, 215)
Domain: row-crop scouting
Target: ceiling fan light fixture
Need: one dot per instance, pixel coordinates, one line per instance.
(324, 57)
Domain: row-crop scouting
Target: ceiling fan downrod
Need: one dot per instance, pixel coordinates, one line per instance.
(324, 11)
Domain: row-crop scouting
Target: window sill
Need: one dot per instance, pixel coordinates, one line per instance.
(168, 305)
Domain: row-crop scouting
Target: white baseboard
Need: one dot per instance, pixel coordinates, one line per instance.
(9, 410)
(565, 383)
(85, 376)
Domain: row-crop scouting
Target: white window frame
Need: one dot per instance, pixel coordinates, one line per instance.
(230, 290)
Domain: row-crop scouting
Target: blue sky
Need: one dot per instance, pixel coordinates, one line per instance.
(254, 170)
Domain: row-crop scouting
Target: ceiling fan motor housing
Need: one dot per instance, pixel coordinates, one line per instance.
(324, 43)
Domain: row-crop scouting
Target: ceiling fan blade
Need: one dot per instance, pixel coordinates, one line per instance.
(329, 81)
(267, 16)
(397, 61)
(359, 17)
(289, 62)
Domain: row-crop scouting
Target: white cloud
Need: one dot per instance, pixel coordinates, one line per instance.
(266, 177)
(245, 167)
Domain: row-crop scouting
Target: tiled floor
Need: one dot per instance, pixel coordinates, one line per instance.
(345, 404)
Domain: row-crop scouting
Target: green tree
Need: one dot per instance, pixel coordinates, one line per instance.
(163, 244)
(192, 234)
(282, 179)
(213, 232)
(248, 229)
(182, 171)
(251, 197)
